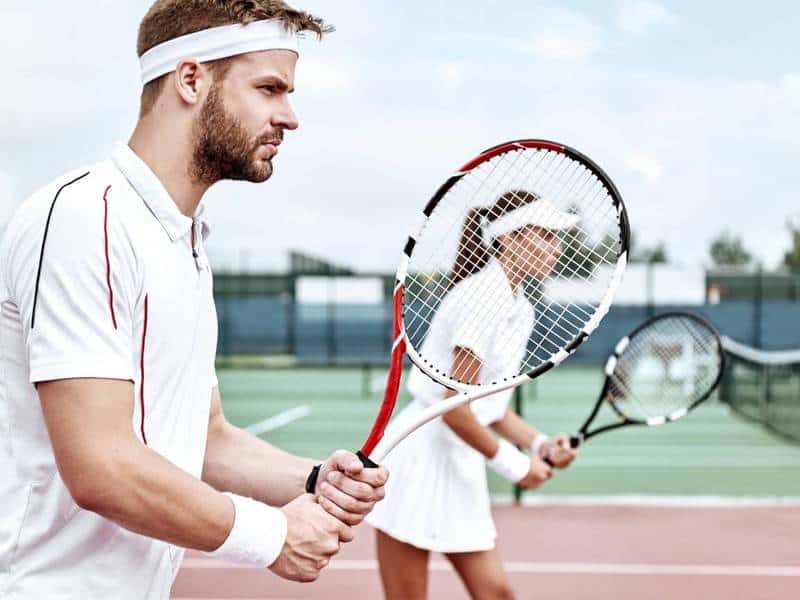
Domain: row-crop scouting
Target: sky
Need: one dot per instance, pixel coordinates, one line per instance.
(693, 109)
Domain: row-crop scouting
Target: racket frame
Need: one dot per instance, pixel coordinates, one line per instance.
(606, 395)
(376, 446)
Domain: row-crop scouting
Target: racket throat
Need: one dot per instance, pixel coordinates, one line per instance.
(575, 441)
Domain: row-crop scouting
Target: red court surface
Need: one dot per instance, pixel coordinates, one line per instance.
(575, 552)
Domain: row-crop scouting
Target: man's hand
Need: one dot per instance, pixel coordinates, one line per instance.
(347, 489)
(539, 472)
(558, 451)
(312, 538)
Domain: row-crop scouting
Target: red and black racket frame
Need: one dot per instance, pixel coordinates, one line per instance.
(398, 333)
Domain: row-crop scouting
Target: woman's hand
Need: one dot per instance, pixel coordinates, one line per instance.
(539, 472)
(558, 451)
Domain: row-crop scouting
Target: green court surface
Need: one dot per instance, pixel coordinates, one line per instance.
(711, 452)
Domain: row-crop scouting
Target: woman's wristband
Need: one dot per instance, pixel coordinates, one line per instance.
(257, 535)
(536, 446)
(509, 462)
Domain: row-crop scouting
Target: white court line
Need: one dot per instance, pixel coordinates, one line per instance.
(565, 568)
(666, 462)
(639, 500)
(279, 420)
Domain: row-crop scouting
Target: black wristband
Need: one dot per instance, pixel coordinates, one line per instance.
(311, 482)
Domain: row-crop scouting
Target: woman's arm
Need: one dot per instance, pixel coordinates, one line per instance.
(504, 458)
(515, 429)
(466, 367)
(555, 449)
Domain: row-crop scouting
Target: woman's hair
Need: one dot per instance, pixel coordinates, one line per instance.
(472, 253)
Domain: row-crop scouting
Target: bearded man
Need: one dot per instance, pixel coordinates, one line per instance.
(116, 452)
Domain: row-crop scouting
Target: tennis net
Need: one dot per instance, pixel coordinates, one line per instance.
(763, 386)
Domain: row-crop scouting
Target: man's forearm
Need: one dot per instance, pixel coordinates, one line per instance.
(110, 472)
(241, 463)
(143, 492)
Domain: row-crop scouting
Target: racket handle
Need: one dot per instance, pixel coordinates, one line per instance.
(365, 460)
(575, 441)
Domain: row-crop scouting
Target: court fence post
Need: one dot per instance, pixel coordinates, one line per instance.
(518, 408)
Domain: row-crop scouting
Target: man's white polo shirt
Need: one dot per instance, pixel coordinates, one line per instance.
(98, 278)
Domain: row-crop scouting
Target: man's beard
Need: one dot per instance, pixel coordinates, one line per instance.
(222, 147)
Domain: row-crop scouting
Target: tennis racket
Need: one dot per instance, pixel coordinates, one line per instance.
(658, 373)
(505, 205)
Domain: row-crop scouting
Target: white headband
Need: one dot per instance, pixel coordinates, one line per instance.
(215, 43)
(541, 213)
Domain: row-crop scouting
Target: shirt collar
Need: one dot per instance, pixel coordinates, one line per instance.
(155, 195)
(497, 272)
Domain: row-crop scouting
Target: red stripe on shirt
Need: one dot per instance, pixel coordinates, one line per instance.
(141, 365)
(108, 261)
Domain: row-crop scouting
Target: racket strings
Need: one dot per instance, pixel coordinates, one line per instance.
(499, 189)
(569, 242)
(667, 367)
(529, 258)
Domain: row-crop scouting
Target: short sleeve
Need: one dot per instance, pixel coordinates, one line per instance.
(78, 310)
(469, 319)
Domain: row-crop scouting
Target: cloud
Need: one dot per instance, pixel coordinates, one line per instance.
(639, 15)
(559, 33)
(452, 74)
(316, 74)
(650, 168)
(384, 123)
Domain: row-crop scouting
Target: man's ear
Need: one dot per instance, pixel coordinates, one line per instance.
(192, 81)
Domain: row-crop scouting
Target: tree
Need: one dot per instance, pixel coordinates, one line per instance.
(791, 259)
(654, 254)
(727, 250)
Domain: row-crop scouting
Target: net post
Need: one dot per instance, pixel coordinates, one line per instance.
(291, 315)
(330, 322)
(518, 408)
(758, 307)
(651, 308)
(366, 378)
(765, 397)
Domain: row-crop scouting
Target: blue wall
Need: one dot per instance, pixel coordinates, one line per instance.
(354, 334)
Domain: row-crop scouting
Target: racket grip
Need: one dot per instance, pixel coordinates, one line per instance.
(365, 460)
(575, 441)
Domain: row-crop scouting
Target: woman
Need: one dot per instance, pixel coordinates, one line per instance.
(438, 499)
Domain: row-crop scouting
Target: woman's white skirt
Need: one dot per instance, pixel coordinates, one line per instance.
(436, 497)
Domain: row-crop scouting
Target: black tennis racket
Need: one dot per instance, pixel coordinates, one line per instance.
(658, 373)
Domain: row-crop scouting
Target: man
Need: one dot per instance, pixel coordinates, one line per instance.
(114, 447)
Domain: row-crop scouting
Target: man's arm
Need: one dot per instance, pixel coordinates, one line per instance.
(107, 470)
(239, 462)
(242, 463)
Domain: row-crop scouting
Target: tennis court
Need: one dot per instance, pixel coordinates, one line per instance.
(709, 453)
(707, 507)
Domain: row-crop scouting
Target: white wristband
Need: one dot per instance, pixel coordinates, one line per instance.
(537, 443)
(510, 463)
(257, 535)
